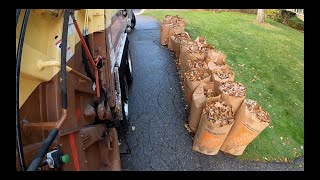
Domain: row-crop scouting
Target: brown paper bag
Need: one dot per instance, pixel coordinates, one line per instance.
(174, 30)
(195, 55)
(210, 136)
(195, 64)
(199, 100)
(192, 84)
(232, 92)
(244, 130)
(164, 34)
(221, 75)
(217, 57)
(200, 41)
(213, 66)
(179, 39)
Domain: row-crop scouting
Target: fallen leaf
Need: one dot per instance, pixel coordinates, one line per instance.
(281, 137)
(188, 128)
(133, 128)
(301, 147)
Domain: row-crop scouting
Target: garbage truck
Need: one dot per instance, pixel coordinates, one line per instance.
(73, 73)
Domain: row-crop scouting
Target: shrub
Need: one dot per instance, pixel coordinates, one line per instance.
(296, 23)
(271, 13)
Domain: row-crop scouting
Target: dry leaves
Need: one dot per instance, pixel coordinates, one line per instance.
(188, 128)
(220, 113)
(169, 19)
(233, 89)
(181, 37)
(257, 110)
(196, 63)
(209, 93)
(196, 75)
(223, 74)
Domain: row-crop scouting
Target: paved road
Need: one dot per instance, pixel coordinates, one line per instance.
(156, 106)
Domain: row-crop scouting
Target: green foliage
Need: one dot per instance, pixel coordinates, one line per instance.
(296, 23)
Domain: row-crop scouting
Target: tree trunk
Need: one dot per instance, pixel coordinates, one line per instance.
(260, 16)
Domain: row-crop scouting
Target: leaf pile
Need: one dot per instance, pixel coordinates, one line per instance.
(169, 19)
(196, 63)
(209, 93)
(196, 75)
(233, 89)
(181, 37)
(223, 74)
(220, 113)
(206, 48)
(257, 110)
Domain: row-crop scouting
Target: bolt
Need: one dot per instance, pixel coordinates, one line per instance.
(81, 135)
(86, 161)
(60, 145)
(83, 149)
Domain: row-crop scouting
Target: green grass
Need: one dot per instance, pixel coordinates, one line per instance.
(273, 55)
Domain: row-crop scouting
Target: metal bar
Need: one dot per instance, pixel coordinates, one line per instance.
(96, 73)
(40, 125)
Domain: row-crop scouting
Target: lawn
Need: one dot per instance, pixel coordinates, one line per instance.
(269, 59)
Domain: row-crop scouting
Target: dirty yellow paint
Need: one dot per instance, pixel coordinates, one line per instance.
(42, 33)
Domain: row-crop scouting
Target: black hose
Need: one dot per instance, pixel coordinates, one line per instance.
(44, 148)
(47, 143)
(85, 59)
(64, 98)
(17, 16)
(19, 53)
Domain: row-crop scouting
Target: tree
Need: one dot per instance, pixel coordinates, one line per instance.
(260, 16)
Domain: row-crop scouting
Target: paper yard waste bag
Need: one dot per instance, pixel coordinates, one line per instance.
(200, 41)
(173, 31)
(221, 75)
(195, 64)
(167, 23)
(234, 93)
(216, 122)
(250, 121)
(189, 51)
(200, 96)
(176, 41)
(193, 79)
(215, 56)
(164, 34)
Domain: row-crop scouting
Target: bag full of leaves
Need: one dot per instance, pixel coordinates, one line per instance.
(189, 51)
(215, 56)
(167, 23)
(200, 41)
(176, 40)
(205, 48)
(214, 66)
(192, 80)
(232, 92)
(195, 64)
(215, 124)
(164, 33)
(250, 121)
(221, 75)
(200, 96)
(173, 31)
